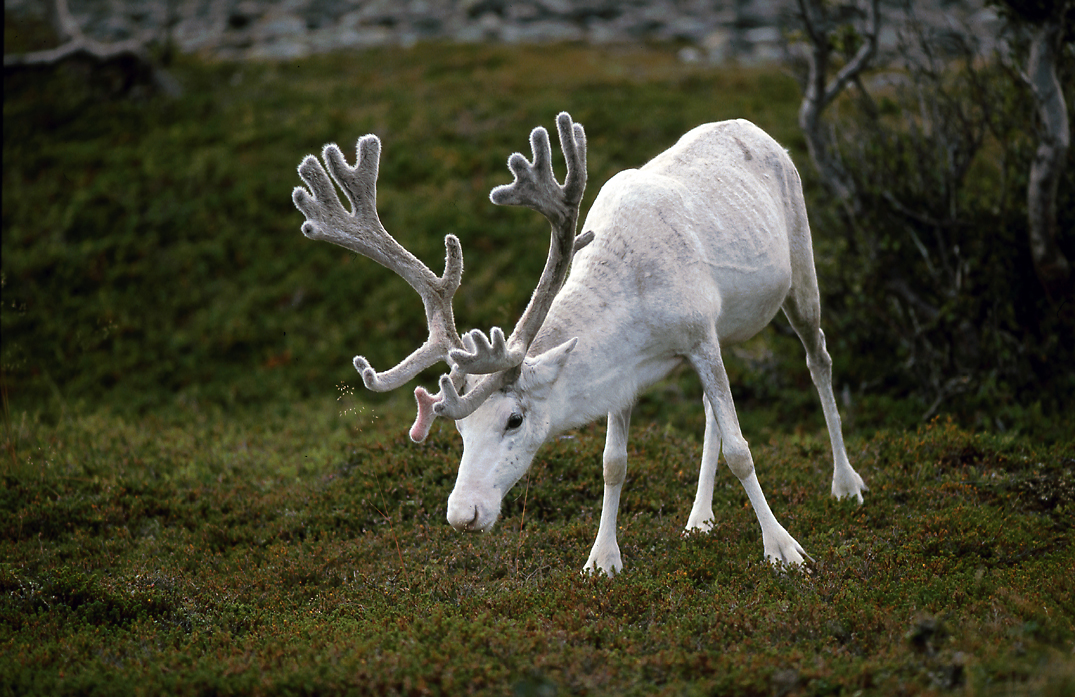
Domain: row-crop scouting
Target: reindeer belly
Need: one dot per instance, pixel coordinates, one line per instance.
(747, 307)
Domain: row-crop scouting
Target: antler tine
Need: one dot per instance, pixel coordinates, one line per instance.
(361, 231)
(449, 403)
(535, 187)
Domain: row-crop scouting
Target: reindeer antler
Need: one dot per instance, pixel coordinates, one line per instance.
(360, 231)
(535, 187)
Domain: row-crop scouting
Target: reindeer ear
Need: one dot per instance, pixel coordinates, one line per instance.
(540, 372)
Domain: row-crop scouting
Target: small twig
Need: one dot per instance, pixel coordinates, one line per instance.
(11, 448)
(951, 388)
(391, 529)
(918, 217)
(522, 521)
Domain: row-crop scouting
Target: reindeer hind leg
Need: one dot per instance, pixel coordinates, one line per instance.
(803, 310)
(779, 545)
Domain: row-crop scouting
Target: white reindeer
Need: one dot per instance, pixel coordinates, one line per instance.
(695, 251)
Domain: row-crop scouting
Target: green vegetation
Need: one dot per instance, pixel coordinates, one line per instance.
(199, 498)
(298, 554)
(152, 252)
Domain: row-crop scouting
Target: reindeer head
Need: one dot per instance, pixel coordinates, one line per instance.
(501, 437)
(495, 393)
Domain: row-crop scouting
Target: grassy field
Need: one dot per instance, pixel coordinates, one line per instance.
(198, 497)
(307, 553)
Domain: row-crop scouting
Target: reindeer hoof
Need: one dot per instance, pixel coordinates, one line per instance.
(848, 483)
(698, 525)
(605, 562)
(781, 548)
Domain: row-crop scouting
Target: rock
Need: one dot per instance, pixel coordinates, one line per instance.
(714, 30)
(718, 45)
(285, 49)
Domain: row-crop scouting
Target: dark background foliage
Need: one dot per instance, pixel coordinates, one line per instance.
(930, 290)
(936, 263)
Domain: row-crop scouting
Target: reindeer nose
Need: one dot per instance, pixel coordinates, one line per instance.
(470, 526)
(460, 521)
(470, 511)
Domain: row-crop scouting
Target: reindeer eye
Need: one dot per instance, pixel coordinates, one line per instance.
(515, 421)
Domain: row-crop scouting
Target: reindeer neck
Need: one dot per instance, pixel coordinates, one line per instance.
(611, 363)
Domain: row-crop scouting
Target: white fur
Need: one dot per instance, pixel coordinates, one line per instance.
(693, 252)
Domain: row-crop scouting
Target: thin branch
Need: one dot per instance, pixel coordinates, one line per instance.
(1051, 265)
(820, 91)
(77, 44)
(861, 59)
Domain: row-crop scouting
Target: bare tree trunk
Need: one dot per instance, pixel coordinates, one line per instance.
(819, 91)
(1051, 265)
(63, 22)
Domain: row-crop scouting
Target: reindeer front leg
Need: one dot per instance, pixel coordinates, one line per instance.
(605, 555)
(701, 517)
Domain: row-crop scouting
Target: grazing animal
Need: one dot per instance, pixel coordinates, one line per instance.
(694, 252)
